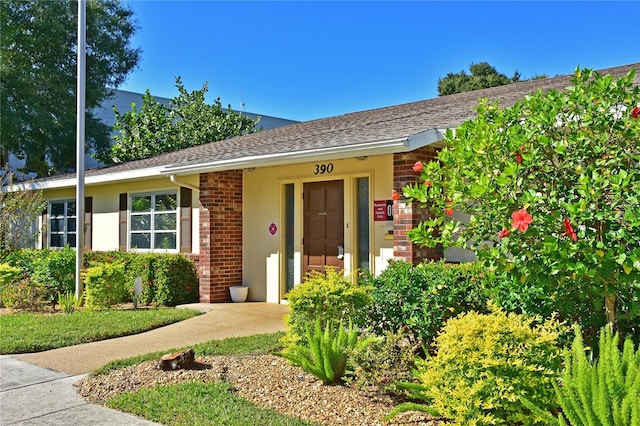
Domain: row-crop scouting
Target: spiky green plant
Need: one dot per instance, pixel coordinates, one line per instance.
(326, 353)
(604, 391)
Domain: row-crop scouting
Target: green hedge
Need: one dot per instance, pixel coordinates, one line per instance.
(418, 300)
(167, 279)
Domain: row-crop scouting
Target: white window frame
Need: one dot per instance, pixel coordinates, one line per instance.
(64, 232)
(152, 214)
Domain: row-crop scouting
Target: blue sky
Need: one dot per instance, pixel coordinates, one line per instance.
(305, 60)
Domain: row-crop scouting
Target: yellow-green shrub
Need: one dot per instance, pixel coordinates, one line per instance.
(104, 285)
(485, 363)
(8, 273)
(329, 297)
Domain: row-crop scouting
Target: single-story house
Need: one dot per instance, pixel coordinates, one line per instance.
(264, 209)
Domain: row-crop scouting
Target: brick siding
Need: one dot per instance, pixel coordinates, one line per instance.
(407, 215)
(220, 259)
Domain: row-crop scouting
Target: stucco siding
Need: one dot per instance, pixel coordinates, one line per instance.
(264, 206)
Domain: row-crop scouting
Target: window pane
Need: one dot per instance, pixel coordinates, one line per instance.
(166, 202)
(141, 204)
(288, 234)
(71, 224)
(71, 239)
(71, 208)
(141, 241)
(57, 209)
(363, 223)
(56, 225)
(165, 222)
(141, 222)
(165, 240)
(56, 240)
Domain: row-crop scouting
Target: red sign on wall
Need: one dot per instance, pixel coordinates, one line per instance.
(382, 210)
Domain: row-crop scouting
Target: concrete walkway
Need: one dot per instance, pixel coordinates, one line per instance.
(37, 388)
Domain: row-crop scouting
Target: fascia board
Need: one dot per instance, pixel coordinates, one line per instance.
(93, 180)
(321, 154)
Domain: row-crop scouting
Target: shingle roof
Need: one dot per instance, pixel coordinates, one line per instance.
(394, 122)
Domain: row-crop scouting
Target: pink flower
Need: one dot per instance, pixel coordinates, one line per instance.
(394, 195)
(418, 166)
(504, 233)
(570, 232)
(521, 220)
(635, 112)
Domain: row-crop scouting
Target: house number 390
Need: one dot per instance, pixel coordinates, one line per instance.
(323, 168)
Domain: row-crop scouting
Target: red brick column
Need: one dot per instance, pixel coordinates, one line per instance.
(220, 260)
(407, 215)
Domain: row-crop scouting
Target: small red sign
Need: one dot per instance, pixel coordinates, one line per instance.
(273, 228)
(382, 210)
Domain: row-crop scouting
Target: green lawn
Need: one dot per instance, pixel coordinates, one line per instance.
(196, 403)
(34, 332)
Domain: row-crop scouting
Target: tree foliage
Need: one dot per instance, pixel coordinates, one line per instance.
(187, 121)
(38, 76)
(18, 210)
(552, 189)
(482, 76)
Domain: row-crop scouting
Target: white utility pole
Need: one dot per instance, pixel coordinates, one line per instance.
(80, 138)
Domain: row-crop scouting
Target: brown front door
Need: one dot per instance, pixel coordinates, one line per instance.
(323, 226)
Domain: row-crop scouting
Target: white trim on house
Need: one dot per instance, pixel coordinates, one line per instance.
(390, 146)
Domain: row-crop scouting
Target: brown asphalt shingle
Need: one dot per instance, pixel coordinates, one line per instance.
(351, 129)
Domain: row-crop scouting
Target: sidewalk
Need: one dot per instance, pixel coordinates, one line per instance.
(37, 388)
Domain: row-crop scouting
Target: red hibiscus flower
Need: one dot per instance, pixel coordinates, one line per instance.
(570, 232)
(504, 233)
(518, 158)
(394, 195)
(635, 112)
(521, 220)
(449, 210)
(418, 166)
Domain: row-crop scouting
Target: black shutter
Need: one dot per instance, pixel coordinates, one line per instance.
(122, 221)
(185, 220)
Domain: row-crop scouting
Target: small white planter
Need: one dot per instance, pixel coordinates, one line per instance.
(238, 293)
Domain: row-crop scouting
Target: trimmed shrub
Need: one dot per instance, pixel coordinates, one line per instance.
(329, 297)
(104, 285)
(55, 271)
(167, 279)
(420, 299)
(175, 278)
(485, 363)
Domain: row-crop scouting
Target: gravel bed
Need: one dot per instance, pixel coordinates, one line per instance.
(267, 381)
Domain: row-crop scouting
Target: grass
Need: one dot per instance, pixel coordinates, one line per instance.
(34, 332)
(261, 343)
(197, 403)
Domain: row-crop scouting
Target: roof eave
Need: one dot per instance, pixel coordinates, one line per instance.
(147, 173)
(388, 146)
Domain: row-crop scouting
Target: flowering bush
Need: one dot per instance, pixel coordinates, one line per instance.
(552, 187)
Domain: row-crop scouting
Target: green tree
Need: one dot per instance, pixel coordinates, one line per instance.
(187, 121)
(552, 189)
(482, 76)
(18, 210)
(38, 76)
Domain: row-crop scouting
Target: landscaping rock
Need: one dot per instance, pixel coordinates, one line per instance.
(184, 359)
